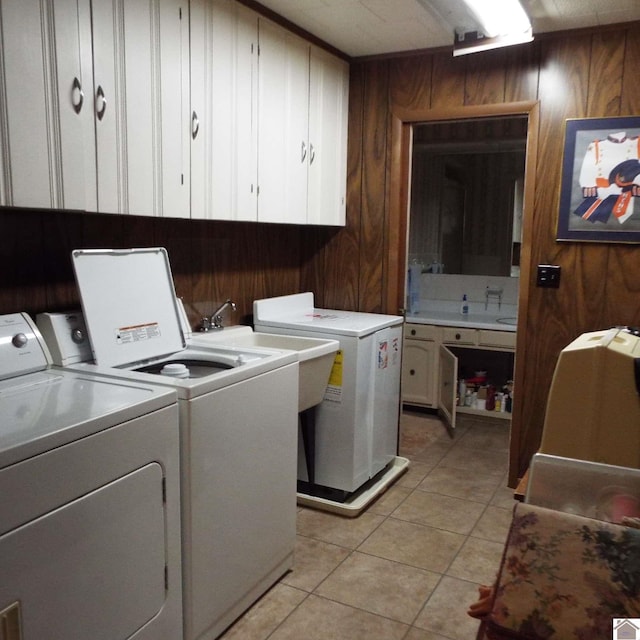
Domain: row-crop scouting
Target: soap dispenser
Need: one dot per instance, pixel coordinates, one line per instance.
(464, 307)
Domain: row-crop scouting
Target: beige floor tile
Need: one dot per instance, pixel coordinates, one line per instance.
(320, 619)
(389, 500)
(446, 611)
(503, 497)
(477, 561)
(266, 614)
(413, 544)
(443, 512)
(415, 475)
(493, 524)
(462, 483)
(476, 460)
(421, 634)
(487, 435)
(335, 529)
(314, 560)
(433, 453)
(380, 586)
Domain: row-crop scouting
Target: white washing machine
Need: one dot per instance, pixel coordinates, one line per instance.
(89, 500)
(357, 422)
(237, 429)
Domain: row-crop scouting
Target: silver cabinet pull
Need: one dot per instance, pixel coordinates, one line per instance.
(303, 151)
(100, 97)
(312, 153)
(195, 125)
(76, 90)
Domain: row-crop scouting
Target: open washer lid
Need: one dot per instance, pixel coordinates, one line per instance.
(129, 304)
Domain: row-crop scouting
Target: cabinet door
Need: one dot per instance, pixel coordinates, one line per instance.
(283, 78)
(223, 105)
(46, 125)
(137, 103)
(174, 197)
(418, 366)
(328, 114)
(448, 377)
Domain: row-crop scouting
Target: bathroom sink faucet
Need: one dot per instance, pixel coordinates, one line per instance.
(214, 322)
(492, 292)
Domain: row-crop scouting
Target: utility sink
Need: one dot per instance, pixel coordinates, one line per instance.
(315, 356)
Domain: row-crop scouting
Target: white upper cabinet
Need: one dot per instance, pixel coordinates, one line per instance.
(283, 125)
(174, 108)
(302, 131)
(138, 78)
(92, 118)
(328, 116)
(46, 108)
(224, 37)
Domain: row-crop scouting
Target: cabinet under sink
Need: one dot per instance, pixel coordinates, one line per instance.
(435, 357)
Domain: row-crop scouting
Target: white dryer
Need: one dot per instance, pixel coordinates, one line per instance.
(89, 500)
(238, 420)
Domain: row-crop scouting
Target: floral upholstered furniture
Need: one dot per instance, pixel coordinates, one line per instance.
(564, 576)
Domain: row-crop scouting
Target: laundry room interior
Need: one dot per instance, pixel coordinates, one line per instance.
(150, 214)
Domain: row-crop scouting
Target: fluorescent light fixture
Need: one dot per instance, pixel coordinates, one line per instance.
(499, 17)
(503, 23)
(472, 41)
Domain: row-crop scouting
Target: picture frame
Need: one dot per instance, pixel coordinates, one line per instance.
(600, 187)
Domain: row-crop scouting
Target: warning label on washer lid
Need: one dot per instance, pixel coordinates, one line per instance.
(137, 333)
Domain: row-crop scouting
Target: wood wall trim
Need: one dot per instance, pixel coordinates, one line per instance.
(412, 116)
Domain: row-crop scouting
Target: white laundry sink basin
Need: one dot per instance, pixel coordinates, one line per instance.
(315, 356)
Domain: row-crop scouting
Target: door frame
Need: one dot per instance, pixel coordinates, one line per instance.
(400, 137)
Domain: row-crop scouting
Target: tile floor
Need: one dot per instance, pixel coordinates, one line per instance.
(408, 567)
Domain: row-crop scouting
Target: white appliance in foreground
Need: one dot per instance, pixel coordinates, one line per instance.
(238, 418)
(89, 500)
(357, 422)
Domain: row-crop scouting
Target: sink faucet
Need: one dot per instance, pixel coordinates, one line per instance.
(214, 322)
(492, 292)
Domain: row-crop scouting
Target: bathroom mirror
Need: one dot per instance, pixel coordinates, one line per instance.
(467, 182)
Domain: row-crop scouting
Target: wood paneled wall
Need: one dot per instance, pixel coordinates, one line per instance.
(211, 261)
(566, 75)
(361, 267)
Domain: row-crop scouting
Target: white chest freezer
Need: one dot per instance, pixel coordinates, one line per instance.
(356, 425)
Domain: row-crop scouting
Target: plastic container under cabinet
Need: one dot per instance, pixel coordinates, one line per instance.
(592, 489)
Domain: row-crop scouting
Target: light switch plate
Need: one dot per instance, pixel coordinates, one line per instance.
(548, 276)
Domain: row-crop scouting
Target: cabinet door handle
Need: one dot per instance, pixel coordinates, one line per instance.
(312, 154)
(76, 90)
(412, 372)
(303, 151)
(458, 336)
(100, 98)
(413, 332)
(195, 125)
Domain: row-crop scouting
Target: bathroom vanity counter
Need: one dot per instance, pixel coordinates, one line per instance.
(446, 313)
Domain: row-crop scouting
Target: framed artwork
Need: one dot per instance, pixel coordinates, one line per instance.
(600, 189)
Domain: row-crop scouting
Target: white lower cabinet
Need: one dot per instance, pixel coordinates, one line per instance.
(419, 365)
(435, 357)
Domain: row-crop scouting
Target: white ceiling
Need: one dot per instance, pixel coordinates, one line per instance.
(370, 27)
